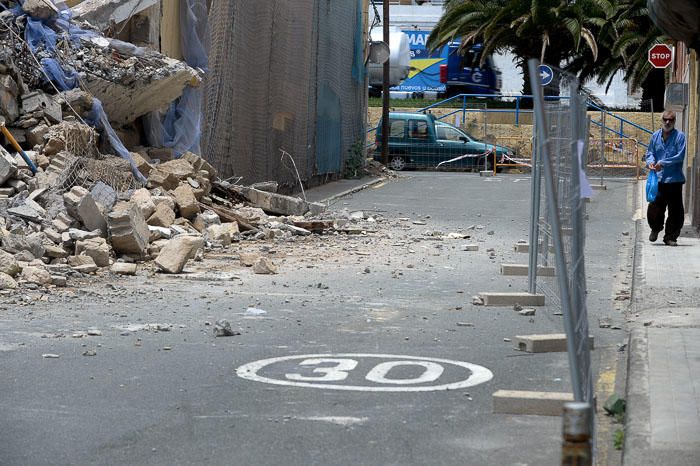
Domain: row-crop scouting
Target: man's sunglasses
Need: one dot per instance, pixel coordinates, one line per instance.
(668, 119)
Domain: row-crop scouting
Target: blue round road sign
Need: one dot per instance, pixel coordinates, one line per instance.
(546, 75)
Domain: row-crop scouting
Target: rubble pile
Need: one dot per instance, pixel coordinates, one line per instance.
(68, 210)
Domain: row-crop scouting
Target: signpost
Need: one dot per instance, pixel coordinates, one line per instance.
(660, 56)
(546, 75)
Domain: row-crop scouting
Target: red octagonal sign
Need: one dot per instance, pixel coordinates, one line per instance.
(660, 55)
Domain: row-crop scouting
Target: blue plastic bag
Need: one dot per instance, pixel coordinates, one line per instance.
(652, 186)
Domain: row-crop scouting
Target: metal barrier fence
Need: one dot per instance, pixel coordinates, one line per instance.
(612, 157)
(561, 142)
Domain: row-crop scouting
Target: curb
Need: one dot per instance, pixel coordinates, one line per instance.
(637, 418)
(353, 190)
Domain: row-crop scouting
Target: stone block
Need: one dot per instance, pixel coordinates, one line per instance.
(128, 231)
(186, 201)
(8, 264)
(162, 179)
(104, 195)
(163, 216)
(54, 252)
(167, 200)
(550, 343)
(7, 192)
(83, 264)
(142, 164)
(8, 166)
(264, 266)
(275, 203)
(204, 220)
(16, 243)
(522, 270)
(180, 168)
(97, 248)
(37, 275)
(81, 206)
(40, 9)
(510, 299)
(224, 233)
(175, 254)
(8, 98)
(123, 268)
(53, 146)
(35, 135)
(62, 222)
(159, 233)
(7, 282)
(144, 201)
(530, 402)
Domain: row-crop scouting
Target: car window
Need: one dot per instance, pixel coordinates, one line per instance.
(396, 128)
(418, 129)
(449, 134)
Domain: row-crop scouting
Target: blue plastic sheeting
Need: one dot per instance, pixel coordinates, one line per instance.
(44, 34)
(180, 128)
(98, 119)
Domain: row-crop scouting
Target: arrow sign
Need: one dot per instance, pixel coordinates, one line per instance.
(546, 75)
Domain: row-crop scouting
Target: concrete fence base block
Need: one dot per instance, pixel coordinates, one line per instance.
(522, 269)
(509, 299)
(599, 187)
(521, 247)
(526, 402)
(486, 173)
(551, 343)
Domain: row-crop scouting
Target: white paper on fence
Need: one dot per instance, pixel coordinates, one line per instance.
(585, 187)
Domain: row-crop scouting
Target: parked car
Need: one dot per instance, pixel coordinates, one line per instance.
(418, 140)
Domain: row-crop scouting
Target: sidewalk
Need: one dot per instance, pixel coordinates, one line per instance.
(663, 378)
(336, 189)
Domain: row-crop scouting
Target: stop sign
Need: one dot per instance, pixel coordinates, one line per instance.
(660, 55)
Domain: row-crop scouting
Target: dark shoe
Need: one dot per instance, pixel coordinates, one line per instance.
(653, 236)
(670, 242)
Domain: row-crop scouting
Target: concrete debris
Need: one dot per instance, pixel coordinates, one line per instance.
(7, 282)
(175, 254)
(40, 9)
(264, 266)
(96, 248)
(128, 230)
(37, 275)
(123, 268)
(83, 264)
(8, 264)
(82, 207)
(222, 328)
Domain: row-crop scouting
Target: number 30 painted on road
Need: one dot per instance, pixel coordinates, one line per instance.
(343, 364)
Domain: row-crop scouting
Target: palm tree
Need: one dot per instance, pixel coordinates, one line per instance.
(550, 30)
(624, 36)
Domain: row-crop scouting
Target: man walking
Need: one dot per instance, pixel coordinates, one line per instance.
(665, 155)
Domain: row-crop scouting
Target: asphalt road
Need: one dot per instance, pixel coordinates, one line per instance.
(390, 310)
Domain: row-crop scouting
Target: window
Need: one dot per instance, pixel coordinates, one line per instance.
(418, 129)
(397, 128)
(449, 134)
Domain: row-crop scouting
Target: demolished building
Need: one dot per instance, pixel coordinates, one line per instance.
(83, 189)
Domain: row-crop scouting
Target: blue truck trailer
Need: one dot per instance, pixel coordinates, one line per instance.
(448, 71)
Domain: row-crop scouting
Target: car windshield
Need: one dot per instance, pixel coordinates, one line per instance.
(450, 133)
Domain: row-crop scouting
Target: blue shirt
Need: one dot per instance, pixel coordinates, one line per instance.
(669, 154)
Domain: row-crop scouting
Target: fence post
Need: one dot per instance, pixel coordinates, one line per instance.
(517, 111)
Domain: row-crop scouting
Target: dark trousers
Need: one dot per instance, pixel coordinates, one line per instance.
(670, 195)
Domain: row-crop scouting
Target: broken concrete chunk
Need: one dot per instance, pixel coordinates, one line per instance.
(186, 201)
(104, 195)
(175, 254)
(167, 200)
(248, 259)
(81, 206)
(128, 231)
(8, 166)
(8, 98)
(163, 216)
(264, 266)
(123, 268)
(35, 135)
(222, 328)
(54, 252)
(37, 275)
(97, 248)
(7, 282)
(16, 243)
(29, 210)
(180, 168)
(274, 203)
(40, 9)
(224, 233)
(142, 164)
(53, 146)
(103, 13)
(161, 179)
(83, 264)
(143, 199)
(8, 264)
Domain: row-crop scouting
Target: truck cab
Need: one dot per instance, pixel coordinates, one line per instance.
(464, 74)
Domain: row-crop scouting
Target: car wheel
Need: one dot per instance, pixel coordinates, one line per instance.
(397, 163)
